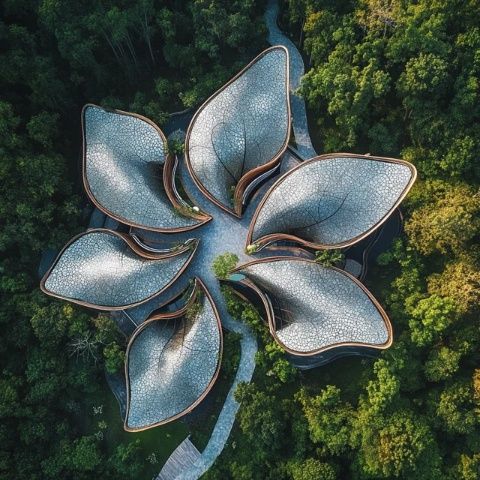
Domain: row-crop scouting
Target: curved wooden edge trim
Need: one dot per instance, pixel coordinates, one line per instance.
(169, 168)
(298, 251)
(86, 185)
(133, 246)
(141, 248)
(173, 252)
(317, 246)
(271, 317)
(199, 286)
(249, 176)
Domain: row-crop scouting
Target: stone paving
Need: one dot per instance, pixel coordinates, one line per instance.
(297, 70)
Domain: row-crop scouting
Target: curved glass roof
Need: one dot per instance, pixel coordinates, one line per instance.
(105, 270)
(312, 308)
(331, 201)
(172, 362)
(123, 159)
(241, 130)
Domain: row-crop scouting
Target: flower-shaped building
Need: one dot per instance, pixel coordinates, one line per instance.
(261, 201)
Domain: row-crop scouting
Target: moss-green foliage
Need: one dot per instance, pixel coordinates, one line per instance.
(312, 468)
(114, 356)
(193, 311)
(446, 218)
(175, 146)
(224, 264)
(195, 307)
(150, 57)
(270, 358)
(244, 311)
(330, 258)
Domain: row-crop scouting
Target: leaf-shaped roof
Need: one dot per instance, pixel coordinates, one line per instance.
(241, 130)
(331, 201)
(312, 308)
(108, 271)
(123, 159)
(173, 360)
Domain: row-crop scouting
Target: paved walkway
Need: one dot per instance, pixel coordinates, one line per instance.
(297, 70)
(226, 419)
(184, 456)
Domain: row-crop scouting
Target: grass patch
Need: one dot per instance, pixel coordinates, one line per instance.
(156, 444)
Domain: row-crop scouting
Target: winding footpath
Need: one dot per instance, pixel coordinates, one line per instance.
(297, 70)
(217, 240)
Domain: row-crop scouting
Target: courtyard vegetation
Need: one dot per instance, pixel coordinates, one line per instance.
(224, 264)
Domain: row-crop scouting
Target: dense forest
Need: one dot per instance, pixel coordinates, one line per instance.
(147, 56)
(391, 77)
